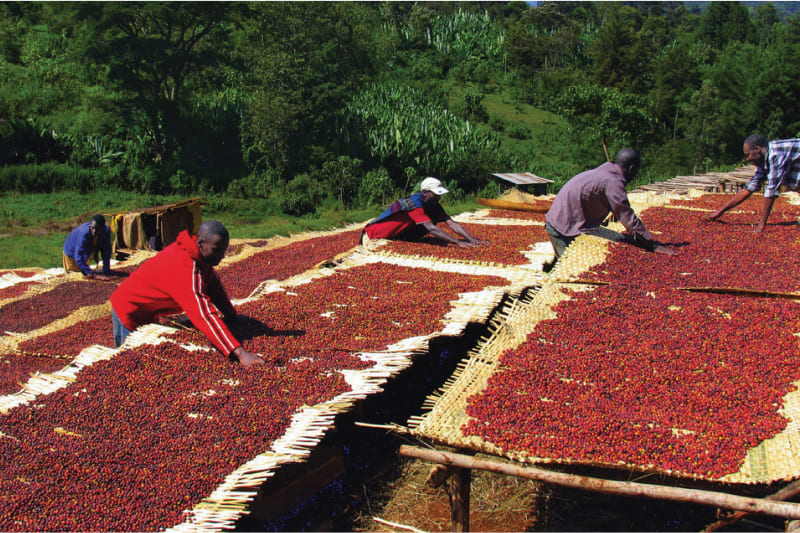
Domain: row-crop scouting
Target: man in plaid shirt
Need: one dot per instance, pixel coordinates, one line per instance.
(778, 163)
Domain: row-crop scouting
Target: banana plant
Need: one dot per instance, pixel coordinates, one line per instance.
(399, 123)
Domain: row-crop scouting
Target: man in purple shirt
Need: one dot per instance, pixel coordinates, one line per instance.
(777, 163)
(586, 200)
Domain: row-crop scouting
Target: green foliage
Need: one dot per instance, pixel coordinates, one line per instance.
(544, 39)
(519, 131)
(154, 52)
(182, 97)
(466, 36)
(497, 124)
(29, 141)
(343, 176)
(46, 177)
(618, 50)
(302, 195)
(376, 188)
(397, 126)
(254, 185)
(725, 22)
(615, 118)
(301, 62)
(472, 107)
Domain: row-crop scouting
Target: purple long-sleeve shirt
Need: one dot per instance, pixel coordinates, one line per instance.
(584, 202)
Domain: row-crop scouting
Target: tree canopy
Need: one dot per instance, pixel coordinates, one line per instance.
(250, 97)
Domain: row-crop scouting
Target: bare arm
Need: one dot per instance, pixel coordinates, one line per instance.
(738, 198)
(459, 230)
(434, 230)
(768, 203)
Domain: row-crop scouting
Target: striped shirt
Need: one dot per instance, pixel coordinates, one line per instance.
(781, 167)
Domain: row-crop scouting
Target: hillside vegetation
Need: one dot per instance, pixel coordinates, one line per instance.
(314, 109)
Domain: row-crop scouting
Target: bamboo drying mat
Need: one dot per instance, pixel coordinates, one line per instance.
(251, 247)
(775, 459)
(46, 280)
(220, 509)
(521, 276)
(511, 327)
(12, 278)
(231, 499)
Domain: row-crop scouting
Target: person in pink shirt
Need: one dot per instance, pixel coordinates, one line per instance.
(585, 201)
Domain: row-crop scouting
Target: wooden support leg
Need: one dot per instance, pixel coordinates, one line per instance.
(459, 499)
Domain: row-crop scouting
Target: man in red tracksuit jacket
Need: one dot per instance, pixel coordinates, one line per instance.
(181, 278)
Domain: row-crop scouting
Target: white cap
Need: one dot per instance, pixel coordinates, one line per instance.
(433, 185)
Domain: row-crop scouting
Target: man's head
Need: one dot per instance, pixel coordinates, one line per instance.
(212, 241)
(630, 161)
(97, 224)
(755, 149)
(431, 189)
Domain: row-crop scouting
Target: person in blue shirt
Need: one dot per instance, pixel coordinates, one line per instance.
(777, 165)
(85, 243)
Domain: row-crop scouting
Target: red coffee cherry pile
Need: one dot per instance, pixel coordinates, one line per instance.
(16, 368)
(506, 244)
(712, 254)
(641, 373)
(519, 215)
(69, 342)
(364, 308)
(144, 436)
(37, 311)
(15, 290)
(242, 277)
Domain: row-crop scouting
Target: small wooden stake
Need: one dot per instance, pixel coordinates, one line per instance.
(459, 499)
(743, 292)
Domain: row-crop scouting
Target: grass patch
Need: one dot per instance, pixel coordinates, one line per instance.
(498, 503)
(538, 139)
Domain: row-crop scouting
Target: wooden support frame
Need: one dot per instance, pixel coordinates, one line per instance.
(789, 491)
(622, 488)
(459, 491)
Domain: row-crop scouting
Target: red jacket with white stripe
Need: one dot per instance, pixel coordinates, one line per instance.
(177, 280)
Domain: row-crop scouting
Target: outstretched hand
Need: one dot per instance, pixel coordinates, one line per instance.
(247, 359)
(666, 250)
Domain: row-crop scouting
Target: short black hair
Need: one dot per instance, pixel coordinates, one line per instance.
(99, 221)
(755, 140)
(212, 227)
(627, 157)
